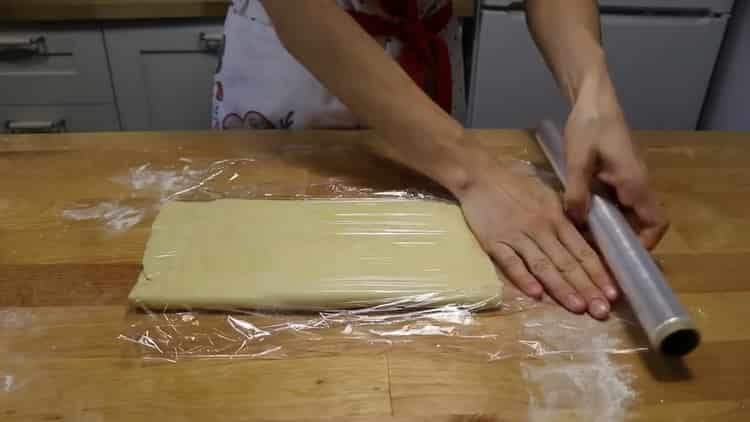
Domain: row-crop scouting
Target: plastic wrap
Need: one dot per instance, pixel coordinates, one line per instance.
(520, 327)
(436, 321)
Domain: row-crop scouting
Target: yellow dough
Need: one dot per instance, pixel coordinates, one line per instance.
(313, 255)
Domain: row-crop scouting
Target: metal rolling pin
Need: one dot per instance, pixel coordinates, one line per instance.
(668, 326)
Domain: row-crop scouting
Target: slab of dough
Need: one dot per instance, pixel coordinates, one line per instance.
(313, 255)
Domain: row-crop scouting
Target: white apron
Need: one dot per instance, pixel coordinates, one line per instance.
(259, 85)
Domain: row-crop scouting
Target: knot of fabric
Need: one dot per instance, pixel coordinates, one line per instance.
(424, 50)
(414, 32)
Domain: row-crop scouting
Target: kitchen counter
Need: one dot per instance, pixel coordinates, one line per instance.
(80, 10)
(64, 278)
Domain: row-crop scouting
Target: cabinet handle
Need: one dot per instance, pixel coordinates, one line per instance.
(32, 126)
(21, 47)
(213, 41)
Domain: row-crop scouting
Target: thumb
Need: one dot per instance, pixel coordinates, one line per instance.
(580, 170)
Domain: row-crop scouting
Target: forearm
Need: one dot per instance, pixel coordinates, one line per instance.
(409, 127)
(568, 34)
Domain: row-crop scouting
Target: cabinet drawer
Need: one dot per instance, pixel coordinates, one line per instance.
(68, 118)
(40, 65)
(163, 75)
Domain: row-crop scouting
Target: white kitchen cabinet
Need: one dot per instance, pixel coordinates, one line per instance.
(163, 73)
(59, 118)
(54, 79)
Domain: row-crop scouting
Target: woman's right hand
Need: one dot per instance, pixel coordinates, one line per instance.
(520, 223)
(517, 219)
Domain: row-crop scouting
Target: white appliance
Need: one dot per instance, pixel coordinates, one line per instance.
(661, 55)
(728, 103)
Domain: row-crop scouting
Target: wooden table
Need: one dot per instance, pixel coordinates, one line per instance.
(77, 10)
(63, 287)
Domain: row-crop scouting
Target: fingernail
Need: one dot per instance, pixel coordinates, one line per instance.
(575, 303)
(610, 292)
(599, 308)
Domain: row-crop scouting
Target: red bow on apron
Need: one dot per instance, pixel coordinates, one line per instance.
(423, 48)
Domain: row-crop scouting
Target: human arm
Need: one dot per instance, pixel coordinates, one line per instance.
(598, 141)
(516, 219)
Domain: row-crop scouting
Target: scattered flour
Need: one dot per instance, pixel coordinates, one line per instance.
(16, 318)
(165, 182)
(8, 383)
(576, 373)
(118, 217)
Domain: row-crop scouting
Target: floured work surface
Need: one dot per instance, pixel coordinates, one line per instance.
(314, 255)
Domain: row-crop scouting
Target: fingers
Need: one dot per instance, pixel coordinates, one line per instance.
(557, 259)
(585, 255)
(575, 275)
(603, 147)
(653, 225)
(540, 265)
(633, 192)
(581, 161)
(515, 268)
(651, 236)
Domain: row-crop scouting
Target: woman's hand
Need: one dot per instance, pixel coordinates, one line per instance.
(597, 140)
(517, 219)
(598, 146)
(520, 222)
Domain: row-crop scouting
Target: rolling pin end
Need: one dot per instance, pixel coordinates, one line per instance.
(677, 337)
(669, 328)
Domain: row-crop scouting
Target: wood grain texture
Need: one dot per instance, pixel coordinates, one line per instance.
(78, 10)
(63, 287)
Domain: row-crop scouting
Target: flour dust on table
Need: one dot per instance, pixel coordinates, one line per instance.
(577, 371)
(116, 216)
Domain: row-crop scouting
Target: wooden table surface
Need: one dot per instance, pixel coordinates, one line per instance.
(76, 10)
(63, 287)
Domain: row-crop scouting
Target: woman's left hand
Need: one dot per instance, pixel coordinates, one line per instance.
(598, 145)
